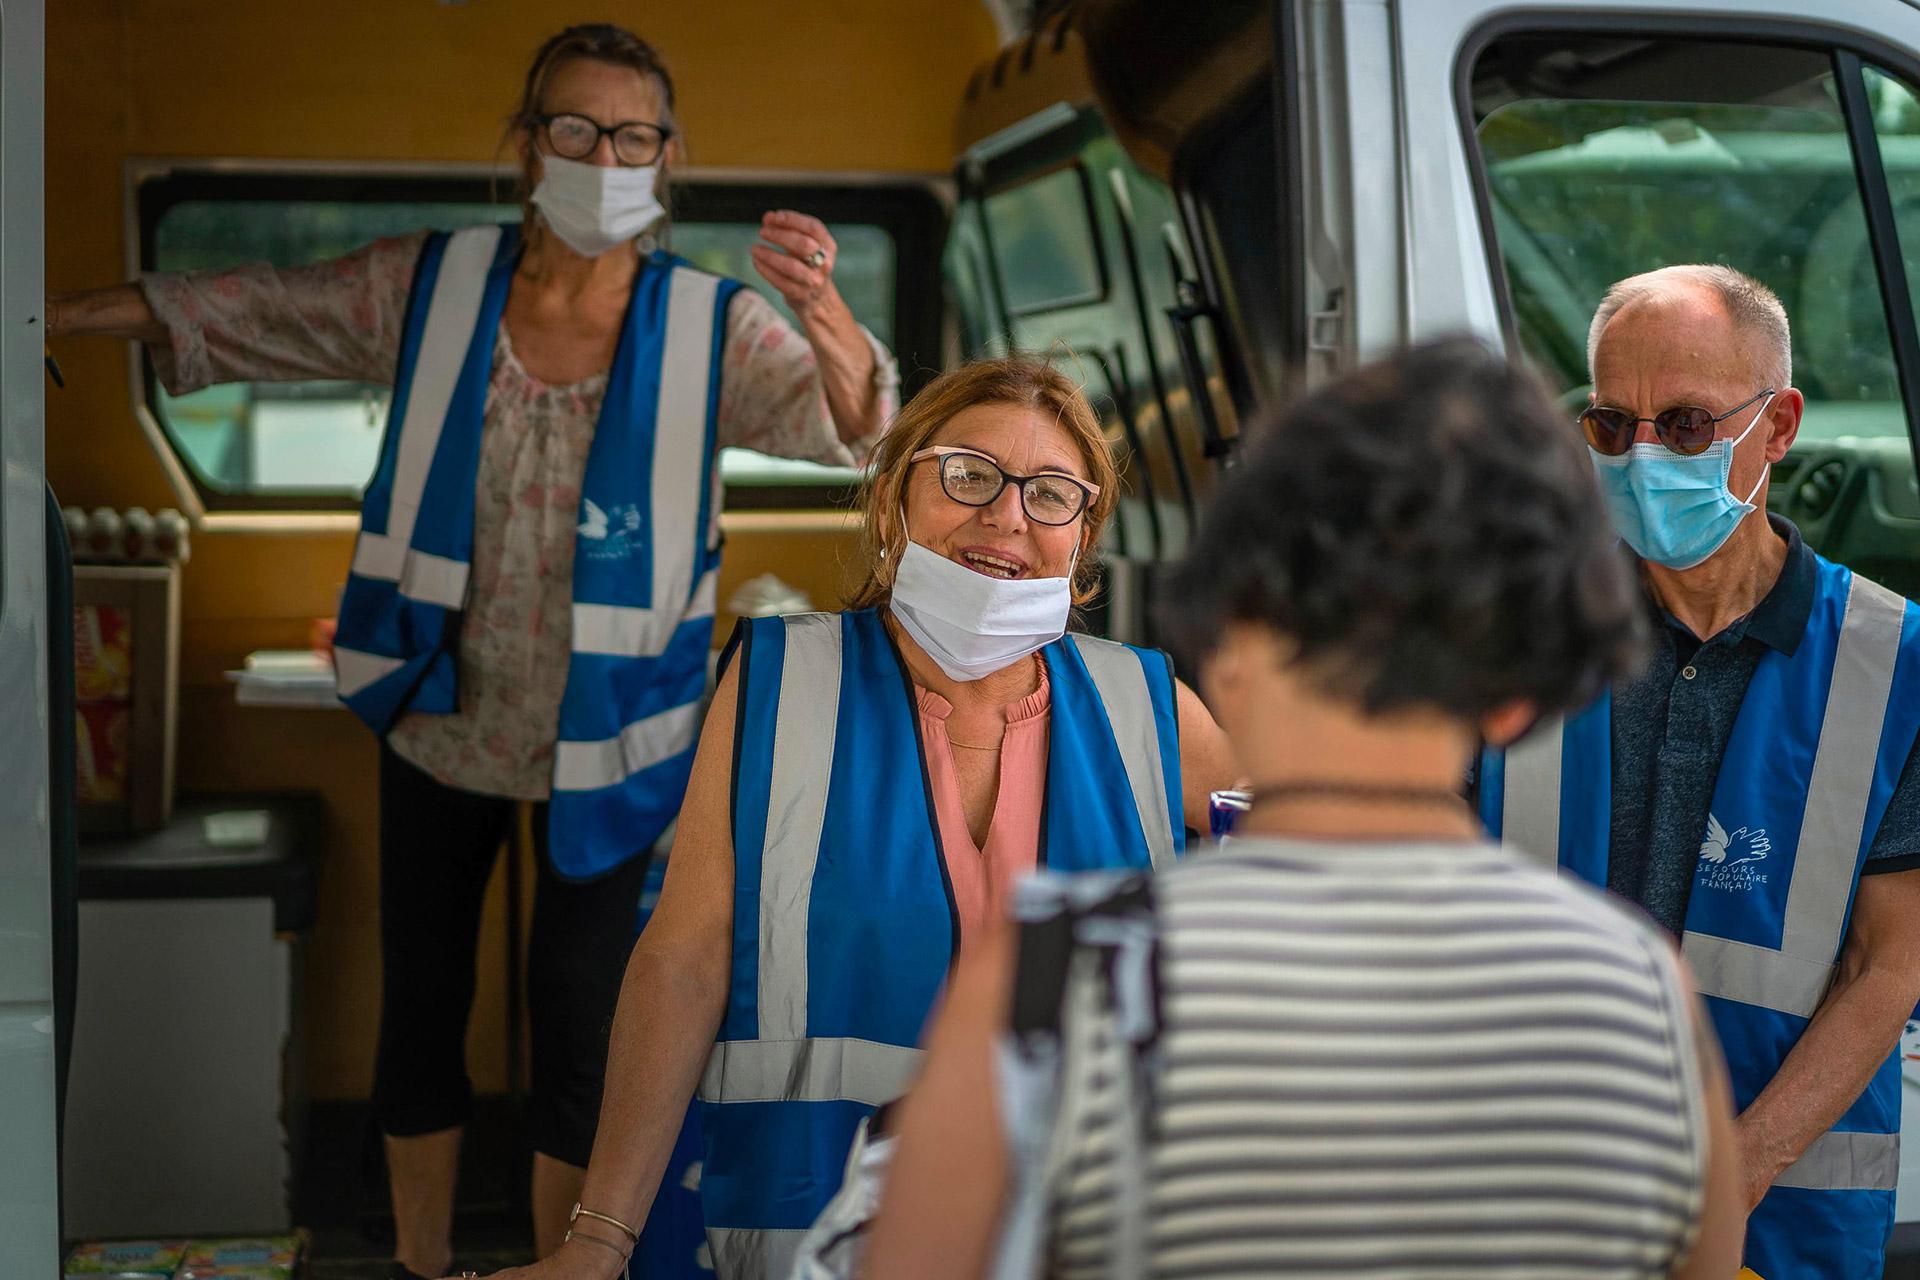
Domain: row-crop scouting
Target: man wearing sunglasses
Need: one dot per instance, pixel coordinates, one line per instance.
(1755, 788)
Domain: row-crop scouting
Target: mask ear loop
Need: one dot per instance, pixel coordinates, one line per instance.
(1735, 444)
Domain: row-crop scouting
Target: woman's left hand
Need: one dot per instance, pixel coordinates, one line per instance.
(807, 287)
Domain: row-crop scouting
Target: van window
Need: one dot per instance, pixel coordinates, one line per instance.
(862, 269)
(1044, 243)
(316, 438)
(1065, 247)
(1598, 164)
(313, 444)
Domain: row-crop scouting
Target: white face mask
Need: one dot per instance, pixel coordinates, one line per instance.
(973, 625)
(594, 207)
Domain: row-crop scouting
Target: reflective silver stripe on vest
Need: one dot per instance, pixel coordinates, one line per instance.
(1755, 975)
(1795, 978)
(815, 1070)
(1530, 804)
(803, 740)
(743, 1254)
(680, 478)
(634, 633)
(1846, 1162)
(642, 744)
(1122, 685)
(452, 314)
(1843, 770)
(421, 575)
(354, 670)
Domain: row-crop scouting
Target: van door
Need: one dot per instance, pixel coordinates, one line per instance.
(29, 1185)
(1544, 153)
(1548, 152)
(1115, 213)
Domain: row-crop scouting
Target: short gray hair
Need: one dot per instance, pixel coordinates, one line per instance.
(1754, 309)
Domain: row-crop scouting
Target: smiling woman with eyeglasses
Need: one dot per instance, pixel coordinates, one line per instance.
(869, 785)
(531, 601)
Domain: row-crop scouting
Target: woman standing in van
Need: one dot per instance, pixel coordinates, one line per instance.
(531, 601)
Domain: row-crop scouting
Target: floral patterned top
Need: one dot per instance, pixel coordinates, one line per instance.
(343, 319)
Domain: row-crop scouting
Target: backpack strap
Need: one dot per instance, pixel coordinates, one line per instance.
(1088, 957)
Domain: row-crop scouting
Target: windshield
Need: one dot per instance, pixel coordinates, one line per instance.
(1587, 192)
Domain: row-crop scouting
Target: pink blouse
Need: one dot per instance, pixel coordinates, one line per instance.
(983, 879)
(342, 319)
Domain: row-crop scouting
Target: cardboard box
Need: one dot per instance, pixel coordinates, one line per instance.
(126, 642)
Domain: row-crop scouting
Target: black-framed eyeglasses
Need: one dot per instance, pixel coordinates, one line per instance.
(1686, 429)
(574, 137)
(975, 480)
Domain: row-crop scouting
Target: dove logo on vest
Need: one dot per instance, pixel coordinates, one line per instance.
(1732, 861)
(611, 534)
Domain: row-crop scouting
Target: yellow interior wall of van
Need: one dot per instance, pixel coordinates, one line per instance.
(851, 84)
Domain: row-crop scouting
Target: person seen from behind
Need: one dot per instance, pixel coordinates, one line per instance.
(1357, 1038)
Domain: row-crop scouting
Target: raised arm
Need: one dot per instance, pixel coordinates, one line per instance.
(335, 319)
(671, 1003)
(823, 392)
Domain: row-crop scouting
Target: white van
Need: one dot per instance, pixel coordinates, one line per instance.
(1209, 205)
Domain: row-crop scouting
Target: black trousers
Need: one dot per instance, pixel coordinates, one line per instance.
(437, 848)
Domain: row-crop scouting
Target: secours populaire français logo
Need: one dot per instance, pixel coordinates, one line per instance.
(609, 534)
(1732, 860)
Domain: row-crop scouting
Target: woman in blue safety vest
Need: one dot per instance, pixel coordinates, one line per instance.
(530, 606)
(867, 786)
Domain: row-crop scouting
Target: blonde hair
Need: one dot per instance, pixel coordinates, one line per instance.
(1019, 381)
(588, 41)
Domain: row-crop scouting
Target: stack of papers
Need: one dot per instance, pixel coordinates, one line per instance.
(285, 678)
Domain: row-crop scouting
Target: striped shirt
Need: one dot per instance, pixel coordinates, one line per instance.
(1398, 1061)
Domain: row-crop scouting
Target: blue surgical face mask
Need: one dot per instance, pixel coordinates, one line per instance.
(1673, 509)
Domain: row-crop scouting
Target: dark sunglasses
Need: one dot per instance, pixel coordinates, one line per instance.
(1685, 429)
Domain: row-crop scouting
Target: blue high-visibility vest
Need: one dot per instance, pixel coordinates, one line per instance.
(844, 921)
(646, 556)
(1817, 749)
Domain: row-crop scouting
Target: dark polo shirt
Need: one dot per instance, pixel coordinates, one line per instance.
(1671, 725)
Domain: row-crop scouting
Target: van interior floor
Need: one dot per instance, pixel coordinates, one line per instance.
(341, 1193)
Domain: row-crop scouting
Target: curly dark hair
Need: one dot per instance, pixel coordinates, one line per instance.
(1423, 531)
